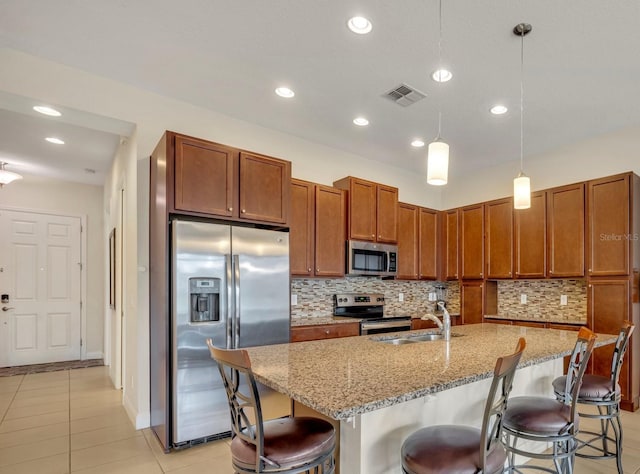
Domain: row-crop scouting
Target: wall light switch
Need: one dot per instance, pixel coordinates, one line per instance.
(523, 298)
(563, 300)
(294, 300)
(401, 297)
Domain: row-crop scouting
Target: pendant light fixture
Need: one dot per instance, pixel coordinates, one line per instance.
(438, 154)
(7, 176)
(522, 183)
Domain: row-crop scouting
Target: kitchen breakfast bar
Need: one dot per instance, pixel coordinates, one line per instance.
(381, 392)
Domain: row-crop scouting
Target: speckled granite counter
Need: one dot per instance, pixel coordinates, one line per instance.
(344, 377)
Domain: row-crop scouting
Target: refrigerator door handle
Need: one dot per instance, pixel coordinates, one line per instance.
(229, 309)
(236, 309)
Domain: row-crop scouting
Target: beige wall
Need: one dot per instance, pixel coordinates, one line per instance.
(63, 197)
(57, 84)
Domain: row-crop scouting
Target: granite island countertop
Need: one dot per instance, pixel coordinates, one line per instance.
(344, 377)
(575, 320)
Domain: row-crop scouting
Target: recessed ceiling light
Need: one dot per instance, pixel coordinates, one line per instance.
(43, 109)
(285, 92)
(55, 140)
(417, 143)
(359, 25)
(441, 75)
(498, 110)
(361, 121)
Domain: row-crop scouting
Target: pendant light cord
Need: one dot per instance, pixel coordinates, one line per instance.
(439, 70)
(522, 33)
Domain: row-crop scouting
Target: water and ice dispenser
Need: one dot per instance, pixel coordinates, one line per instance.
(204, 296)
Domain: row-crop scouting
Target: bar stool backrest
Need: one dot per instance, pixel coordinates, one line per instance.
(618, 353)
(577, 366)
(496, 405)
(243, 398)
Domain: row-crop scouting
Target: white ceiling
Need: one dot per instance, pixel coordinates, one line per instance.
(581, 67)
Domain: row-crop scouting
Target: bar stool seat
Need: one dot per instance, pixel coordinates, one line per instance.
(594, 387)
(538, 415)
(453, 449)
(448, 449)
(288, 442)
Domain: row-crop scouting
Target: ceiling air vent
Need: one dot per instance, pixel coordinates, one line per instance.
(404, 95)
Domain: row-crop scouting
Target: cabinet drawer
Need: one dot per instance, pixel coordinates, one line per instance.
(324, 331)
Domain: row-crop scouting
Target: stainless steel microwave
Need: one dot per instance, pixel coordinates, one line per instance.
(371, 259)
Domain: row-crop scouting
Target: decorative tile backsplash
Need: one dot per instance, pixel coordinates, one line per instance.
(543, 300)
(315, 296)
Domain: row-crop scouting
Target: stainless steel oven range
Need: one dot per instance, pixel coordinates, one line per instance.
(369, 307)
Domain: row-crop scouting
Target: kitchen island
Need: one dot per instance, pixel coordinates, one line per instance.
(382, 392)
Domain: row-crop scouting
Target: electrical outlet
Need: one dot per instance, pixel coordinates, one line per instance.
(523, 298)
(294, 300)
(563, 300)
(401, 297)
(432, 296)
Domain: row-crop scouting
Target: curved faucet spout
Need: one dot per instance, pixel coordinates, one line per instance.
(446, 321)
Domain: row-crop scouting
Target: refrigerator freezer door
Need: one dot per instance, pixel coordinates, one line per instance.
(200, 307)
(262, 283)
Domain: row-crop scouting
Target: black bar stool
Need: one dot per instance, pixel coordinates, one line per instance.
(604, 393)
(547, 420)
(283, 446)
(447, 449)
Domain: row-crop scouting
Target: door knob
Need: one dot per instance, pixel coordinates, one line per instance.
(6, 308)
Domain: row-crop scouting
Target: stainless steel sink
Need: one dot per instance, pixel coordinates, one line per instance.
(397, 341)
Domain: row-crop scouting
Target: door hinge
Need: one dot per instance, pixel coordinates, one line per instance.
(80, 305)
(81, 229)
(80, 265)
(80, 342)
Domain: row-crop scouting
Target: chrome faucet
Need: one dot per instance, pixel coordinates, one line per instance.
(446, 321)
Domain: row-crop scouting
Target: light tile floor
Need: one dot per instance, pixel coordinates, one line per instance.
(73, 421)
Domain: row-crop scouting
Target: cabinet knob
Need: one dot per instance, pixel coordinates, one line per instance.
(380, 236)
(230, 209)
(309, 269)
(589, 270)
(243, 211)
(326, 331)
(317, 269)
(373, 236)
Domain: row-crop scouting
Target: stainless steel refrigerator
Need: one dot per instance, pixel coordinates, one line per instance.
(230, 284)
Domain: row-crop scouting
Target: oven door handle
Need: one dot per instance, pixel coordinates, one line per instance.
(390, 324)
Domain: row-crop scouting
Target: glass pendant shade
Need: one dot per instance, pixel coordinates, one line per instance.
(521, 192)
(7, 176)
(438, 163)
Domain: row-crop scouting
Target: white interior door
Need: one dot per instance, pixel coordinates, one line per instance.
(40, 271)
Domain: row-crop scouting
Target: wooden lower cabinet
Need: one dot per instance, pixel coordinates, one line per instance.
(472, 302)
(608, 304)
(422, 324)
(530, 324)
(324, 331)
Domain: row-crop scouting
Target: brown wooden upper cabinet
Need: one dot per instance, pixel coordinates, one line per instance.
(407, 242)
(218, 180)
(566, 231)
(472, 242)
(498, 224)
(372, 213)
(472, 302)
(609, 229)
(417, 242)
(450, 252)
(317, 230)
(531, 238)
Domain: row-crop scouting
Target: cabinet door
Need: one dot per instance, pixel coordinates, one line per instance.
(609, 226)
(301, 228)
(204, 177)
(407, 242)
(428, 244)
(387, 214)
(362, 209)
(450, 254)
(471, 242)
(329, 232)
(565, 231)
(608, 305)
(498, 222)
(264, 188)
(472, 302)
(531, 238)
